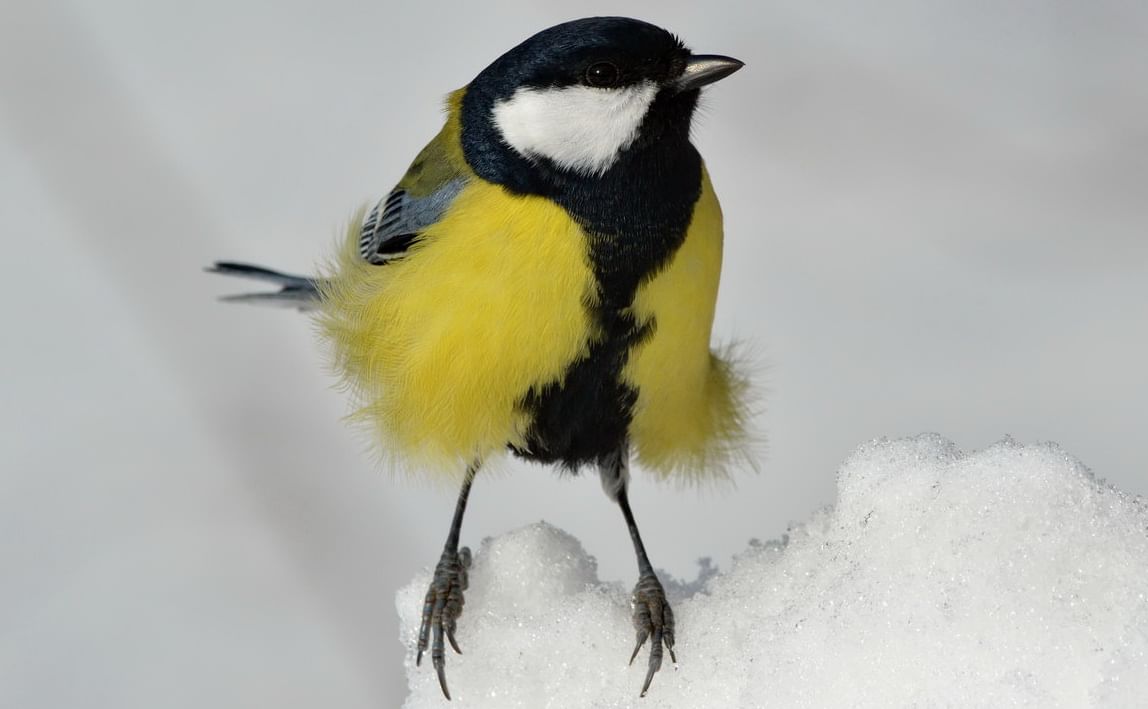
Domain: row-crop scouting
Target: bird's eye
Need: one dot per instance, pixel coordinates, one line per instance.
(602, 75)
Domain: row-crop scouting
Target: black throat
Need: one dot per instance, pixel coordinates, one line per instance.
(635, 216)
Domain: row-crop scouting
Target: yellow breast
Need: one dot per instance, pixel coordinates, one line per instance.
(442, 344)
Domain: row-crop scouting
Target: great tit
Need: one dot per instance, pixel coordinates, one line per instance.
(542, 281)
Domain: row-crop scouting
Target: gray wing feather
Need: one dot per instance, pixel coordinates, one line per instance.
(398, 219)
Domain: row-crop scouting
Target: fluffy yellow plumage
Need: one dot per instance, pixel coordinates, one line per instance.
(442, 345)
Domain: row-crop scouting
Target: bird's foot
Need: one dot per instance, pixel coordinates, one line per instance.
(441, 609)
(652, 617)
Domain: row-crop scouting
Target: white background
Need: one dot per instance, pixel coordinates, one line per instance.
(936, 220)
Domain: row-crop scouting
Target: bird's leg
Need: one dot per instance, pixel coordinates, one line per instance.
(653, 616)
(652, 613)
(443, 603)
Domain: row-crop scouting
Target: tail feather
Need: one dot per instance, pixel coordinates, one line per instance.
(299, 292)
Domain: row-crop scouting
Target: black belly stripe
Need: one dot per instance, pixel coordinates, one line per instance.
(636, 216)
(583, 418)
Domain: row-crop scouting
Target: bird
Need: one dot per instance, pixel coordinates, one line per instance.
(542, 283)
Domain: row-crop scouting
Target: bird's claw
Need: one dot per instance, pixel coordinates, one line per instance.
(654, 618)
(441, 609)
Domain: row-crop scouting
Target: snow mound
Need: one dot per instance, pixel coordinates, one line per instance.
(1006, 577)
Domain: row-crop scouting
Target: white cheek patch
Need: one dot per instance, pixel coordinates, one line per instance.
(580, 128)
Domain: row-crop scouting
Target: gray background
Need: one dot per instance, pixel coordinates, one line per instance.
(936, 218)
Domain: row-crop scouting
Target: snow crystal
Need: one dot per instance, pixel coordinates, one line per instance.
(1006, 577)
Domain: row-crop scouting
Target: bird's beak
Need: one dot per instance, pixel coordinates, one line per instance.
(703, 69)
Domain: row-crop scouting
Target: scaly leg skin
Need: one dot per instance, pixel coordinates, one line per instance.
(441, 609)
(444, 600)
(652, 617)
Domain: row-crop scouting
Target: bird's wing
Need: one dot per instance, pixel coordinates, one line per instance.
(398, 219)
(431, 184)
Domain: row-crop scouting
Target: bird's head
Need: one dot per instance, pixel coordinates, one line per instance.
(576, 97)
